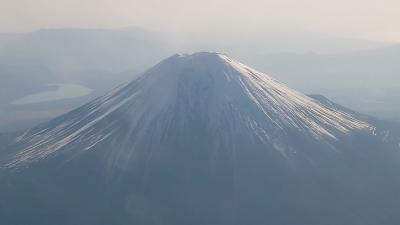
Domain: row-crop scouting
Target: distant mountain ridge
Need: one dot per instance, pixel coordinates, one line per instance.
(103, 58)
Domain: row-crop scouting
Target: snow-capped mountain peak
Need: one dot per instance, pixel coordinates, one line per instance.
(189, 98)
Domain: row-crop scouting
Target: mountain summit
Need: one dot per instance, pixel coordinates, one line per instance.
(201, 139)
(203, 97)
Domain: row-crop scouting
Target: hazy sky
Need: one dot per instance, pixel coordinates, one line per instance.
(367, 19)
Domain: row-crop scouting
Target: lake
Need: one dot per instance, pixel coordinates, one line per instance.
(63, 91)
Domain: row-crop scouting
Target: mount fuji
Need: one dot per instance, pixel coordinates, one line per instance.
(203, 139)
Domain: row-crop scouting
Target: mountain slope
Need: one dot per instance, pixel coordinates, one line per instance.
(201, 139)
